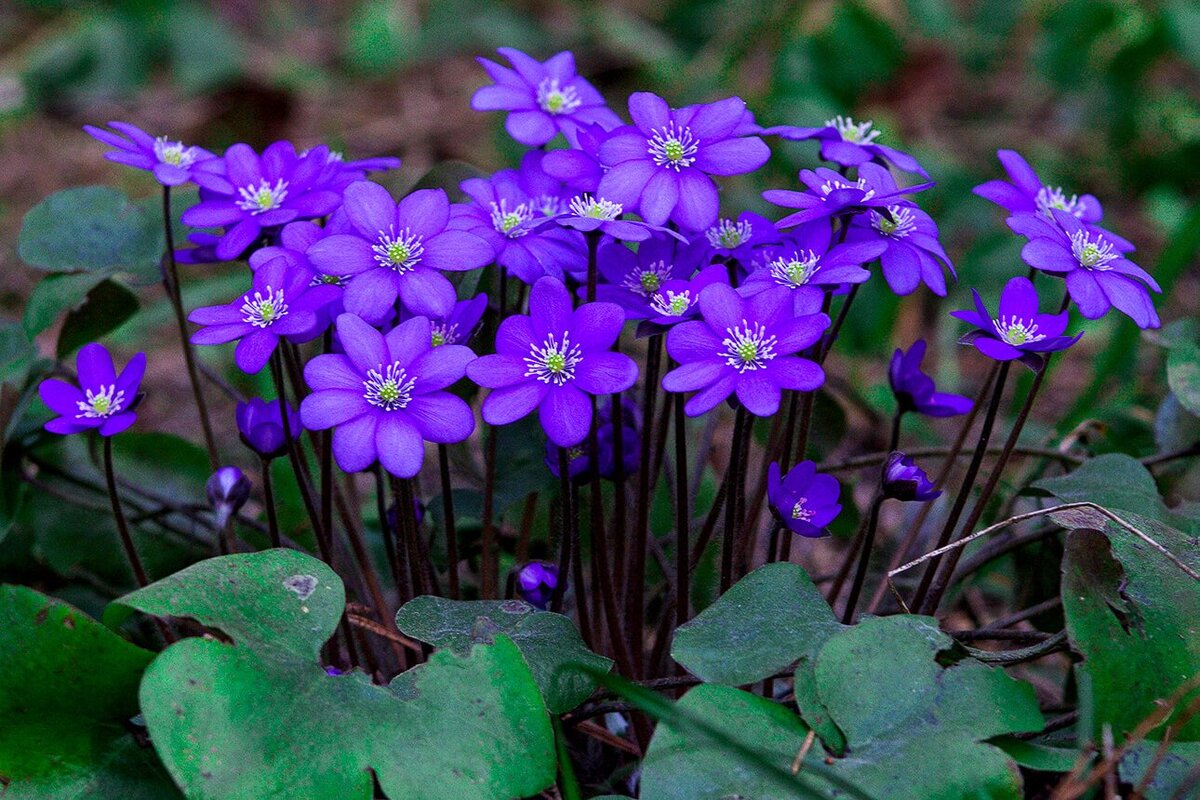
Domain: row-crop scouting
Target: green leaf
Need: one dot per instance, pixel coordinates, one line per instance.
(67, 692)
(1038, 756)
(1174, 427)
(261, 718)
(1169, 781)
(56, 294)
(89, 229)
(16, 353)
(550, 643)
(108, 305)
(199, 69)
(1183, 375)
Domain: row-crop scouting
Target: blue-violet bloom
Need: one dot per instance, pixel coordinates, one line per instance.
(103, 401)
(912, 254)
(904, 480)
(1019, 330)
(809, 267)
(260, 426)
(1024, 192)
(804, 501)
(850, 144)
(170, 161)
(830, 194)
(916, 391)
(536, 582)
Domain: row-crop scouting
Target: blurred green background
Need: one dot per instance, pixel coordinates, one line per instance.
(1101, 95)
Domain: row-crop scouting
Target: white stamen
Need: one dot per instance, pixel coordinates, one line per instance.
(587, 206)
(553, 362)
(796, 271)
(1050, 198)
(1018, 331)
(675, 304)
(399, 252)
(556, 99)
(509, 222)
(647, 281)
(260, 311)
(445, 333)
(834, 184)
(388, 387)
(902, 223)
(802, 513)
(728, 235)
(672, 146)
(1092, 253)
(174, 153)
(851, 131)
(748, 347)
(100, 404)
(263, 197)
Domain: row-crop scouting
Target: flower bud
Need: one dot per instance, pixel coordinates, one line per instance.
(536, 583)
(904, 480)
(228, 489)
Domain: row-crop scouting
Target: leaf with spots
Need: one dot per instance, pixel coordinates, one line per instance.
(260, 717)
(68, 693)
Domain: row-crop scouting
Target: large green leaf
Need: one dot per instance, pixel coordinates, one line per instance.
(1131, 613)
(108, 305)
(914, 729)
(1177, 765)
(560, 661)
(55, 295)
(68, 690)
(261, 718)
(89, 229)
(1183, 375)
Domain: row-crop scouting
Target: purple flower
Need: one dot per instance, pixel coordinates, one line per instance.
(459, 325)
(1024, 192)
(103, 400)
(1098, 274)
(397, 249)
(849, 144)
(662, 163)
(339, 173)
(1019, 331)
(552, 360)
(282, 302)
(294, 241)
(385, 397)
(745, 346)
(912, 254)
(542, 99)
(170, 161)
(505, 214)
(736, 240)
(808, 267)
(803, 501)
(831, 194)
(247, 193)
(536, 582)
(260, 426)
(678, 300)
(904, 480)
(228, 490)
(916, 391)
(634, 279)
(579, 168)
(579, 457)
(589, 214)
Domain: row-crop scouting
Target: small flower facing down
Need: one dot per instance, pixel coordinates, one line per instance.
(169, 161)
(830, 194)
(661, 165)
(579, 457)
(746, 346)
(260, 426)
(1024, 193)
(397, 250)
(247, 193)
(385, 397)
(912, 254)
(849, 144)
(916, 391)
(1019, 331)
(228, 490)
(1099, 277)
(803, 501)
(536, 582)
(103, 400)
(541, 98)
(552, 360)
(904, 480)
(281, 303)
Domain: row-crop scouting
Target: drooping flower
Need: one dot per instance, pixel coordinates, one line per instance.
(634, 279)
(912, 255)
(808, 266)
(579, 457)
(661, 165)
(1020, 331)
(170, 161)
(385, 397)
(542, 99)
(247, 193)
(103, 401)
(588, 214)
(536, 582)
(830, 194)
(552, 360)
(506, 210)
(1093, 262)
(1024, 193)
(746, 346)
(904, 480)
(396, 250)
(228, 489)
(260, 426)
(282, 303)
(850, 144)
(916, 391)
(803, 501)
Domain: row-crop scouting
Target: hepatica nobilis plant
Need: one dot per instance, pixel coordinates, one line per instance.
(524, 459)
